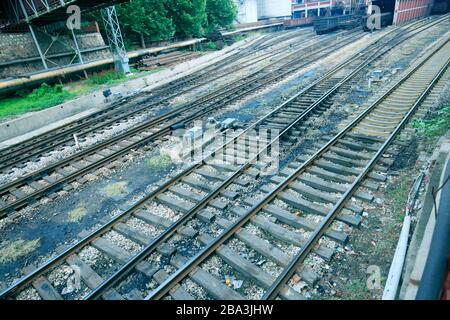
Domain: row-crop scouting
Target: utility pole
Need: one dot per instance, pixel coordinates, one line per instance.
(115, 39)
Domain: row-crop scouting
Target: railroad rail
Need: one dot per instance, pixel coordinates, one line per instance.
(32, 148)
(52, 178)
(189, 193)
(365, 140)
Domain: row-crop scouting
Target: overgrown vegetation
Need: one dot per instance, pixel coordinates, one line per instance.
(11, 251)
(109, 77)
(159, 162)
(436, 126)
(77, 214)
(40, 98)
(357, 290)
(220, 13)
(159, 20)
(47, 96)
(398, 197)
(116, 189)
(238, 38)
(210, 46)
(146, 18)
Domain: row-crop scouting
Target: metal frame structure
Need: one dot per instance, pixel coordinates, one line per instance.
(115, 39)
(39, 14)
(42, 12)
(28, 9)
(55, 39)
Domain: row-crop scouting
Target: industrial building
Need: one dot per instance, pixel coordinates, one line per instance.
(250, 11)
(247, 11)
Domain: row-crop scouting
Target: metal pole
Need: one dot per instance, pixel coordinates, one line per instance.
(78, 51)
(37, 46)
(25, 13)
(115, 39)
(77, 48)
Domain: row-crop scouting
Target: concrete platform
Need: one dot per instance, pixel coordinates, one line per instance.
(421, 240)
(33, 124)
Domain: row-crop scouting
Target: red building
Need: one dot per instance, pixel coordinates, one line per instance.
(407, 10)
(404, 10)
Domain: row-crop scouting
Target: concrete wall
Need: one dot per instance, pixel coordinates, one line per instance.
(247, 11)
(32, 124)
(274, 8)
(17, 46)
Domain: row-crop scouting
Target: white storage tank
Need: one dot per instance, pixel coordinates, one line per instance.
(274, 9)
(247, 11)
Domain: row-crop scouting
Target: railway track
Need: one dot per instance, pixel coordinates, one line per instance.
(206, 186)
(33, 148)
(47, 181)
(360, 145)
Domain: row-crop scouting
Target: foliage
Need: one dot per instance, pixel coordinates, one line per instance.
(189, 17)
(159, 162)
(356, 290)
(398, 198)
(436, 125)
(162, 19)
(11, 251)
(211, 45)
(220, 13)
(40, 98)
(146, 17)
(238, 38)
(106, 78)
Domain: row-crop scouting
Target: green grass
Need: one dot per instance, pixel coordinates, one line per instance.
(41, 98)
(11, 251)
(47, 96)
(159, 162)
(356, 289)
(436, 126)
(210, 46)
(398, 197)
(109, 77)
(238, 38)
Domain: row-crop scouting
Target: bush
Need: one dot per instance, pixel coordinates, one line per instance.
(211, 45)
(105, 78)
(159, 162)
(40, 98)
(436, 126)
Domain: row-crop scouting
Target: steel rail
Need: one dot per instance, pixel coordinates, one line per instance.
(288, 272)
(98, 232)
(182, 272)
(97, 120)
(166, 129)
(151, 122)
(12, 151)
(172, 229)
(107, 226)
(163, 188)
(151, 247)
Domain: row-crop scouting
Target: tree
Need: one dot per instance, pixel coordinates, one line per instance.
(220, 13)
(146, 18)
(189, 16)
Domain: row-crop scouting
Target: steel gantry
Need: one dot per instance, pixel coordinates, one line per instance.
(40, 15)
(115, 39)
